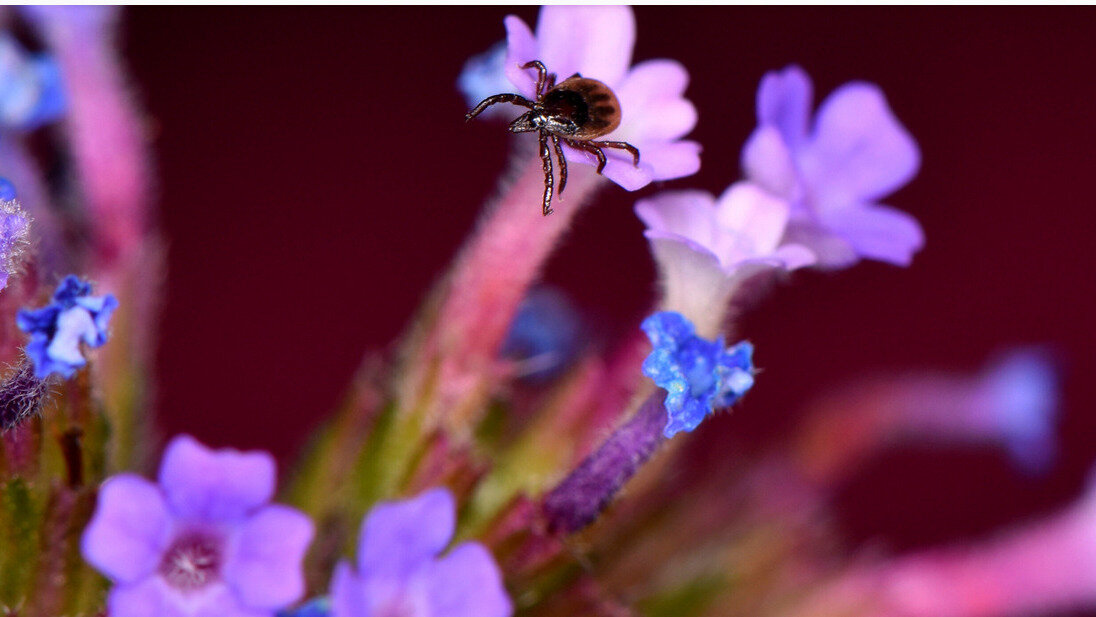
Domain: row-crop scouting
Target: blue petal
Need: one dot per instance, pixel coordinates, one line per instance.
(699, 375)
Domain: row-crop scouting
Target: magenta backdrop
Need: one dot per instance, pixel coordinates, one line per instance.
(317, 175)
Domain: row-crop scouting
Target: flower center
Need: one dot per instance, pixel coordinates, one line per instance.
(193, 561)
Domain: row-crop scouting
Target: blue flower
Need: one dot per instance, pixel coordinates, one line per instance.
(399, 570)
(698, 375)
(31, 92)
(57, 329)
(545, 335)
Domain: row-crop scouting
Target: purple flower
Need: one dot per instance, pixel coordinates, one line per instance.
(705, 247)
(699, 375)
(832, 176)
(14, 229)
(204, 542)
(57, 329)
(597, 41)
(399, 573)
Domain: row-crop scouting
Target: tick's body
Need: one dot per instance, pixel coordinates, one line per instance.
(576, 111)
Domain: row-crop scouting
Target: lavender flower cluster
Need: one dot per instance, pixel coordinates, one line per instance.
(434, 492)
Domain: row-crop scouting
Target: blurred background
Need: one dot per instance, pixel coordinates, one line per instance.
(316, 176)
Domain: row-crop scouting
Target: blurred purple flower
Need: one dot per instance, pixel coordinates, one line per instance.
(699, 376)
(855, 153)
(14, 229)
(31, 92)
(597, 41)
(399, 572)
(1020, 396)
(203, 542)
(705, 247)
(57, 329)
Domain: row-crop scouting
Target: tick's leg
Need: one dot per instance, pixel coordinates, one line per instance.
(592, 149)
(516, 99)
(620, 145)
(542, 75)
(546, 159)
(548, 85)
(562, 164)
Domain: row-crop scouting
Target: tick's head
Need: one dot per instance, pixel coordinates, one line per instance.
(527, 122)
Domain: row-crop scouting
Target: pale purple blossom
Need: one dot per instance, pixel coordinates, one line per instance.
(400, 572)
(706, 246)
(596, 42)
(833, 172)
(203, 542)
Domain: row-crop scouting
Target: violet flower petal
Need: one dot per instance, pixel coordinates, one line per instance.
(768, 162)
(265, 565)
(215, 485)
(148, 597)
(652, 94)
(878, 232)
(784, 101)
(858, 152)
(130, 530)
(347, 593)
(397, 537)
(595, 41)
(467, 583)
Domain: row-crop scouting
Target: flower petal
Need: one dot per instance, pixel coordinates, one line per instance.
(521, 48)
(347, 593)
(652, 103)
(595, 41)
(784, 102)
(768, 162)
(688, 213)
(73, 325)
(758, 217)
(222, 485)
(129, 531)
(694, 283)
(398, 537)
(265, 565)
(467, 583)
(858, 152)
(878, 232)
(150, 596)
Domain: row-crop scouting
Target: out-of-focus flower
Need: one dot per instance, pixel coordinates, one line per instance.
(7, 190)
(596, 42)
(14, 229)
(855, 153)
(57, 329)
(1019, 395)
(400, 573)
(699, 375)
(1012, 402)
(203, 542)
(31, 92)
(544, 336)
(705, 247)
(484, 75)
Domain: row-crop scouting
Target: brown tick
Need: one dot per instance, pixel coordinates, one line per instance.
(576, 111)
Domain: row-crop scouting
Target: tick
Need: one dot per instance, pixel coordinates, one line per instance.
(575, 111)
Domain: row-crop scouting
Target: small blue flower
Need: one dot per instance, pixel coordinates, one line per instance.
(698, 375)
(7, 190)
(545, 336)
(31, 91)
(57, 329)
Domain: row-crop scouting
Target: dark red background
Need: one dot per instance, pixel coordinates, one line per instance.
(317, 175)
